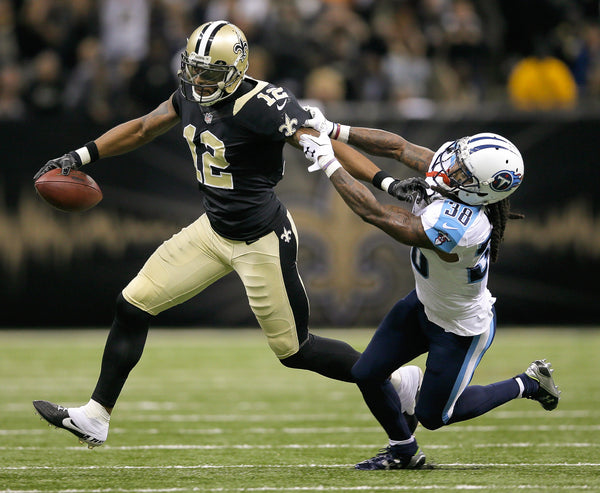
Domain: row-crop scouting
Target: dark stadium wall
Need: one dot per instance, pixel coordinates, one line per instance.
(65, 270)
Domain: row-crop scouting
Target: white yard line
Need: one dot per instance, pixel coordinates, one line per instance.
(432, 487)
(305, 446)
(331, 429)
(288, 466)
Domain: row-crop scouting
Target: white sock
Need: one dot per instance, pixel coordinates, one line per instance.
(96, 410)
(521, 387)
(402, 442)
(92, 418)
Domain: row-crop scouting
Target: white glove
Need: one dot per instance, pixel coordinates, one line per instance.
(318, 120)
(319, 151)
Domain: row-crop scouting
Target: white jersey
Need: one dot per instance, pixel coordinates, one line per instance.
(454, 294)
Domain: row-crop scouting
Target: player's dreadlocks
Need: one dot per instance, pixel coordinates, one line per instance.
(499, 213)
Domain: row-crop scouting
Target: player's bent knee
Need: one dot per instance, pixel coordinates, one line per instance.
(297, 360)
(129, 315)
(428, 419)
(293, 361)
(364, 375)
(361, 375)
(284, 344)
(328, 357)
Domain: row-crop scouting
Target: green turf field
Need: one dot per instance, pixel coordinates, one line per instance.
(214, 411)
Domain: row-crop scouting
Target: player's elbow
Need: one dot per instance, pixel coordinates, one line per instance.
(371, 216)
(370, 219)
(366, 215)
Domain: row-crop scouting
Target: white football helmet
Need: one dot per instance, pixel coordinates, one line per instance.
(481, 169)
(214, 62)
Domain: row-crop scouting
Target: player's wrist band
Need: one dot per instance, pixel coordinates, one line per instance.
(340, 132)
(382, 180)
(331, 166)
(88, 153)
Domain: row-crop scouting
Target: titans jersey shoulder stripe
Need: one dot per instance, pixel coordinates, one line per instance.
(449, 224)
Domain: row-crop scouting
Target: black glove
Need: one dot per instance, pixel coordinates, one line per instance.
(66, 163)
(409, 190)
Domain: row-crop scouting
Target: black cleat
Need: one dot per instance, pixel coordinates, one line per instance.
(387, 459)
(59, 416)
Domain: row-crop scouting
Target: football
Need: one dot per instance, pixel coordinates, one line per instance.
(74, 192)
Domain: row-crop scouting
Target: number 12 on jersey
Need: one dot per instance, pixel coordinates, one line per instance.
(212, 162)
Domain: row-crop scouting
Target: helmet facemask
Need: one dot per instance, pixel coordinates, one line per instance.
(205, 83)
(450, 172)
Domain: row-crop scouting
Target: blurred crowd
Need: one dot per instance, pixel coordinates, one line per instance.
(108, 60)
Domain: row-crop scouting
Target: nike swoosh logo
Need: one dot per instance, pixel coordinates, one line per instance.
(445, 226)
(68, 423)
(282, 106)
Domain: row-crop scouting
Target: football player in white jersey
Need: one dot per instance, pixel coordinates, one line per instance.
(455, 229)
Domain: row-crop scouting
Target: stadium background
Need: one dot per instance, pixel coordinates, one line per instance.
(429, 70)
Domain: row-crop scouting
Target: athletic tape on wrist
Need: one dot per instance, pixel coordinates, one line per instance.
(331, 166)
(335, 131)
(88, 153)
(340, 132)
(385, 184)
(84, 155)
(344, 133)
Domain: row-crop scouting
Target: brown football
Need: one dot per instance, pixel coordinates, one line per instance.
(74, 192)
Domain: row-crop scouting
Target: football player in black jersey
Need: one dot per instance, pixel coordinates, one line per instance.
(236, 128)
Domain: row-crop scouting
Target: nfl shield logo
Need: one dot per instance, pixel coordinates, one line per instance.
(208, 117)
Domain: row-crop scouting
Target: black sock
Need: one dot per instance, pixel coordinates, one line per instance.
(122, 351)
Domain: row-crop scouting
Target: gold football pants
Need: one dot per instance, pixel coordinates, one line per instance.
(196, 257)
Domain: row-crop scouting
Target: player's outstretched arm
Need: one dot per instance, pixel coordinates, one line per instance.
(118, 140)
(386, 144)
(373, 141)
(135, 133)
(395, 221)
(362, 168)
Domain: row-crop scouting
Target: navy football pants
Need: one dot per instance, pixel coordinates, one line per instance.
(406, 333)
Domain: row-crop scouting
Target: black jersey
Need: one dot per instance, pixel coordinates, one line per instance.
(237, 147)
